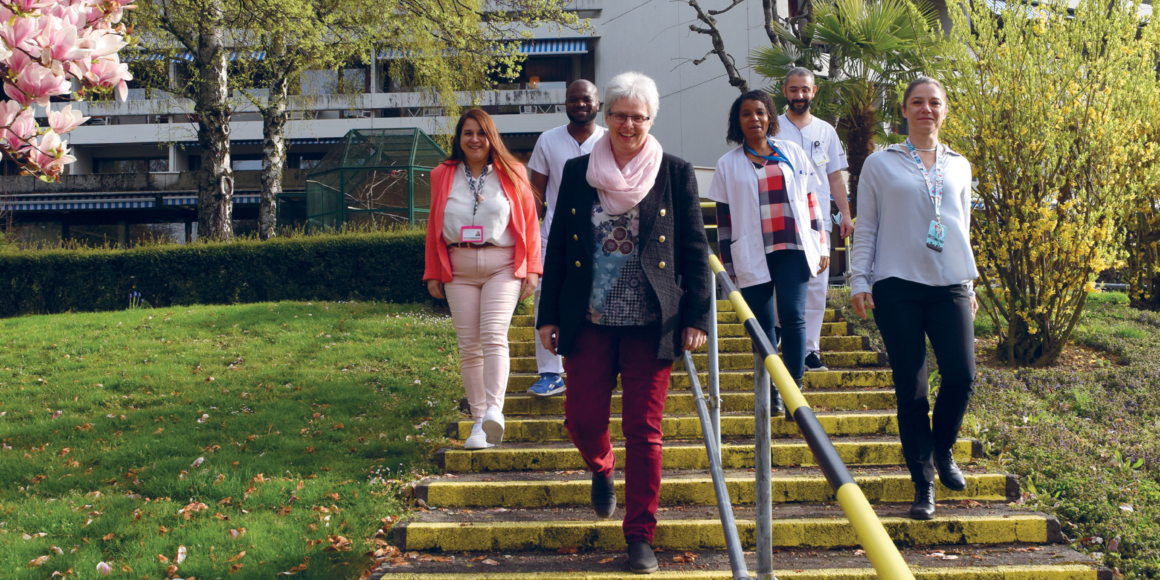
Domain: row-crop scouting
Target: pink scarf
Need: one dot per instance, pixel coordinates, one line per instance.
(621, 190)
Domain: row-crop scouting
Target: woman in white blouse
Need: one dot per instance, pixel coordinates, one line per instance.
(483, 256)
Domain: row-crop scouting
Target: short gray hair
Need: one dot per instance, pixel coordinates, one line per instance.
(632, 85)
(800, 71)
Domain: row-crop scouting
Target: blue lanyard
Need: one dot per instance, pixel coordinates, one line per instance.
(934, 185)
(777, 156)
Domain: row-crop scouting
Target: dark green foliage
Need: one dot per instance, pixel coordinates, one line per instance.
(384, 266)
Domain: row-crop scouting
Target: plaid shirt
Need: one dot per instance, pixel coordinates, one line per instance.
(778, 223)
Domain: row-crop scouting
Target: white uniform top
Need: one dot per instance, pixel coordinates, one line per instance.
(735, 183)
(554, 148)
(494, 212)
(820, 142)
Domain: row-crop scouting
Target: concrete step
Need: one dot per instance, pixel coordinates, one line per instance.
(525, 331)
(698, 528)
(835, 424)
(557, 456)
(695, 487)
(738, 361)
(731, 380)
(681, 403)
(982, 562)
(732, 345)
(723, 317)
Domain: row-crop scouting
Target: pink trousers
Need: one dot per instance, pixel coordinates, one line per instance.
(482, 294)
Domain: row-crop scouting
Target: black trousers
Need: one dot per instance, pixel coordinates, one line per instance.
(907, 313)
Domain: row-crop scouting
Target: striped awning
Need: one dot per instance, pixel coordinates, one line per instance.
(536, 46)
(303, 141)
(188, 56)
(114, 201)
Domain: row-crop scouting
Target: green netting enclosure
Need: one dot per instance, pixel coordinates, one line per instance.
(379, 175)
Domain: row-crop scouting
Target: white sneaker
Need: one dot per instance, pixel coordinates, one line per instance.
(493, 425)
(477, 439)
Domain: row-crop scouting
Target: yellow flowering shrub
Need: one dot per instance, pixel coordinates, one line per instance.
(1050, 109)
(1142, 239)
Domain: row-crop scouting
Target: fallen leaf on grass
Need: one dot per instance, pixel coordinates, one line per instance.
(104, 568)
(299, 568)
(181, 552)
(36, 535)
(338, 544)
(64, 452)
(334, 496)
(37, 562)
(240, 555)
(235, 567)
(283, 511)
(188, 511)
(162, 559)
(197, 463)
(236, 533)
(260, 478)
(686, 558)
(56, 550)
(108, 536)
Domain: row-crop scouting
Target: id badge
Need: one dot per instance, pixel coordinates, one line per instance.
(935, 236)
(820, 157)
(471, 234)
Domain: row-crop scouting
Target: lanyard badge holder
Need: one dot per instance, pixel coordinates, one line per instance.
(936, 234)
(473, 234)
(777, 156)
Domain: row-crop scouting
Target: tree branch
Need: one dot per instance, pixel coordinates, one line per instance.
(724, 10)
(714, 35)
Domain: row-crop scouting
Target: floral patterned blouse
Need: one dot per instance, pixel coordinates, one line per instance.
(621, 294)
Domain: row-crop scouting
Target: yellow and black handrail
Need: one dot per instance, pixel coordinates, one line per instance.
(880, 549)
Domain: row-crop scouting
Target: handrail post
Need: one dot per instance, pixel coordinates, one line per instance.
(763, 457)
(714, 369)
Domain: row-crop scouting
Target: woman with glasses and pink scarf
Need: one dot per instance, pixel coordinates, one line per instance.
(625, 291)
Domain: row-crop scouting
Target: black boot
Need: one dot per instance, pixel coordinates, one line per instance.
(776, 405)
(641, 559)
(948, 471)
(603, 495)
(923, 506)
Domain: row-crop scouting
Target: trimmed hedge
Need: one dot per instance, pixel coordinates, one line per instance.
(384, 266)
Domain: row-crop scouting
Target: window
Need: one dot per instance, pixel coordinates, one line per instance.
(246, 164)
(549, 72)
(132, 165)
(347, 81)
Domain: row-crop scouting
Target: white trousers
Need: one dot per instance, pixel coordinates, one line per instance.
(816, 309)
(546, 362)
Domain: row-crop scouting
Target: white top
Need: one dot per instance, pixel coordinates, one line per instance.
(894, 215)
(820, 142)
(494, 212)
(554, 148)
(735, 183)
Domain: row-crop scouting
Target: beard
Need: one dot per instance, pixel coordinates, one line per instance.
(800, 106)
(582, 118)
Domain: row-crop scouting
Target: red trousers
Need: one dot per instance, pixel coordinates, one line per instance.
(598, 356)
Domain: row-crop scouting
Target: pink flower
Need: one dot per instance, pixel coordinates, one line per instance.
(49, 155)
(22, 129)
(27, 6)
(60, 43)
(65, 120)
(20, 33)
(36, 84)
(104, 568)
(102, 43)
(109, 73)
(8, 113)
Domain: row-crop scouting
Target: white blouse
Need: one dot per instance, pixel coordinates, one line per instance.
(494, 212)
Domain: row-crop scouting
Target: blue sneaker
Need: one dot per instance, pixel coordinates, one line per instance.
(548, 385)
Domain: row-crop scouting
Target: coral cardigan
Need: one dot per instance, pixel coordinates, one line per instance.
(525, 225)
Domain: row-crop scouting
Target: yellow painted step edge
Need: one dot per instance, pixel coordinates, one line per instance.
(1028, 572)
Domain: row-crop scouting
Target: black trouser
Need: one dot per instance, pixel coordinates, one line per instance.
(908, 313)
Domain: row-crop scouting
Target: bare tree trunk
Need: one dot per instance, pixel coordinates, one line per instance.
(273, 149)
(215, 182)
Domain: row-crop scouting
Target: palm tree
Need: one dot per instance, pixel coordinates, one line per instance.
(869, 48)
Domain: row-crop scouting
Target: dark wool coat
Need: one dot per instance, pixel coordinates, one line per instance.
(673, 250)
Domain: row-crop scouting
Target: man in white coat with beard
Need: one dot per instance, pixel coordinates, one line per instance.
(554, 148)
(820, 142)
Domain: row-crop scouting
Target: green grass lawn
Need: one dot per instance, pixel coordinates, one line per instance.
(253, 436)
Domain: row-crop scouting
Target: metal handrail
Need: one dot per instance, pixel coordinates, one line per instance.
(713, 450)
(880, 549)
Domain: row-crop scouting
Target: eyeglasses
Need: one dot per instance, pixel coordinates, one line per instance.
(621, 117)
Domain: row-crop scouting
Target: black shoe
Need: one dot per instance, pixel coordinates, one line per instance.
(603, 495)
(776, 404)
(948, 471)
(814, 363)
(923, 506)
(641, 559)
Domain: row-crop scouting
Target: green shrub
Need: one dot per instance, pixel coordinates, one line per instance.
(384, 266)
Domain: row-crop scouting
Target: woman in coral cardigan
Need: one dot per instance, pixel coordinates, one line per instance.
(483, 256)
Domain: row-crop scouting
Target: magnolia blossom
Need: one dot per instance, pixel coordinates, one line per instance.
(46, 45)
(65, 120)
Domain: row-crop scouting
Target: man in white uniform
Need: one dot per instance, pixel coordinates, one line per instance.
(820, 142)
(553, 149)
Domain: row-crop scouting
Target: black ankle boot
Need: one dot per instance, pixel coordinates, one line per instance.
(776, 405)
(603, 495)
(923, 506)
(641, 559)
(948, 471)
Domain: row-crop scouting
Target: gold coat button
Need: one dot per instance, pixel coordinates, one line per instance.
(575, 237)
(662, 264)
(661, 239)
(574, 211)
(578, 265)
(662, 212)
